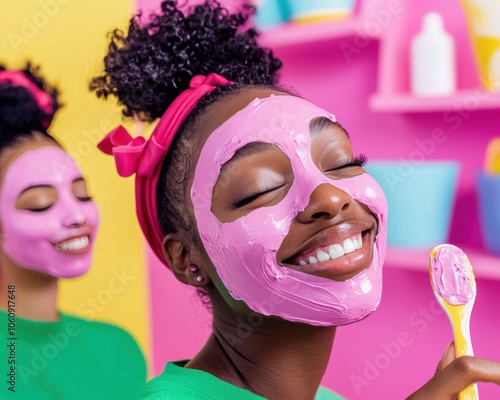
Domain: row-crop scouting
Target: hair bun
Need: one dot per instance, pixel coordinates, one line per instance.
(153, 63)
(27, 102)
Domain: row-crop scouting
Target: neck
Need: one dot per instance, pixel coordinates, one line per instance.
(35, 293)
(269, 356)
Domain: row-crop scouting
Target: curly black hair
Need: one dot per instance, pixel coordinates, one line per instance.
(20, 115)
(147, 68)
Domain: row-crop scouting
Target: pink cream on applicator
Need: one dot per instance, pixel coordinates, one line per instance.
(454, 286)
(452, 276)
(244, 251)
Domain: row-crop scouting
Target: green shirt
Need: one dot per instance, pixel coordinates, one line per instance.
(69, 359)
(178, 383)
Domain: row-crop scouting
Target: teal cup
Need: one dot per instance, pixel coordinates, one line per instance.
(318, 10)
(270, 13)
(489, 210)
(420, 200)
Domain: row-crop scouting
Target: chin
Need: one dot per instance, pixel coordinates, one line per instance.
(72, 271)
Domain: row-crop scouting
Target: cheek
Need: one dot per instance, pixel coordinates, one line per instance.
(92, 214)
(257, 236)
(22, 225)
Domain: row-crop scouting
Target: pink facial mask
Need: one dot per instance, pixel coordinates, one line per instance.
(59, 240)
(244, 251)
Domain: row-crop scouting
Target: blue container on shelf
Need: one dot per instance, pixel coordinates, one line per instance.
(420, 199)
(489, 209)
(270, 13)
(319, 10)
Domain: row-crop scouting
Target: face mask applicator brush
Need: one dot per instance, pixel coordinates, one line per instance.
(454, 286)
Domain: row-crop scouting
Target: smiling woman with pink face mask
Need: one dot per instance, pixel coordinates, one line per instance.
(48, 226)
(255, 197)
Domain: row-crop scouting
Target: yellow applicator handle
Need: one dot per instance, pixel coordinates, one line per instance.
(459, 316)
(492, 158)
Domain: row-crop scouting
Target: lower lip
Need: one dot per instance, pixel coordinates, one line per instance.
(76, 252)
(342, 268)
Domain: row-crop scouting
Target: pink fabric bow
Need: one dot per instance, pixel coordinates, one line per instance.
(42, 98)
(145, 157)
(126, 150)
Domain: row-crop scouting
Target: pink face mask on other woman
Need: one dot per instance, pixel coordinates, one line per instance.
(58, 240)
(244, 251)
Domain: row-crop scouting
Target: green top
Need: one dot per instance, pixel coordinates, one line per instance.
(179, 383)
(69, 359)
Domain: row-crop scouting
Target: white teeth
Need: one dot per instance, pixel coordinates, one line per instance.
(348, 246)
(336, 250)
(358, 241)
(74, 244)
(323, 256)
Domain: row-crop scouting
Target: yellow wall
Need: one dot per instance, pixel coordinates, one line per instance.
(68, 39)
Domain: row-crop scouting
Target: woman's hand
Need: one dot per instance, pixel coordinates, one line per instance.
(455, 374)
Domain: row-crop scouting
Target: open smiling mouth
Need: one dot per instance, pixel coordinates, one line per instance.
(338, 261)
(75, 245)
(333, 251)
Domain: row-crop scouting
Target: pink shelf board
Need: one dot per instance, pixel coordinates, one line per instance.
(477, 99)
(485, 265)
(290, 34)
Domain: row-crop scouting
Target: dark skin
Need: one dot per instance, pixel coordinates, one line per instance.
(269, 356)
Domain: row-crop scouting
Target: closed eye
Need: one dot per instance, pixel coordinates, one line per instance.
(358, 161)
(38, 209)
(87, 198)
(255, 196)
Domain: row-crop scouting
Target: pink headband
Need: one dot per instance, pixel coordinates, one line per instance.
(42, 98)
(144, 157)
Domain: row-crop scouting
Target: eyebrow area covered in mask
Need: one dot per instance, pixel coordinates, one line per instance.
(320, 124)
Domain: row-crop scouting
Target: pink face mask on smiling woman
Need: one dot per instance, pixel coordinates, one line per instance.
(57, 240)
(244, 251)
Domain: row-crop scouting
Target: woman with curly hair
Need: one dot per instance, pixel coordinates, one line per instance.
(48, 225)
(253, 195)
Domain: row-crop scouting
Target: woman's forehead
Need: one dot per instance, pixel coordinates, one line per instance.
(45, 165)
(280, 119)
(219, 112)
(11, 153)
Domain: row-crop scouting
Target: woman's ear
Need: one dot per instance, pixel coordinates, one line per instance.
(179, 258)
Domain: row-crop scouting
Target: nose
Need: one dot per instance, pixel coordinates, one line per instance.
(326, 202)
(74, 214)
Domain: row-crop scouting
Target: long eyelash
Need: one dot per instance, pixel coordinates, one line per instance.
(88, 198)
(246, 200)
(252, 197)
(39, 209)
(357, 161)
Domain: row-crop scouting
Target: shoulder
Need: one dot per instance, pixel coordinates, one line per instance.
(93, 328)
(180, 383)
(326, 394)
(108, 338)
(173, 384)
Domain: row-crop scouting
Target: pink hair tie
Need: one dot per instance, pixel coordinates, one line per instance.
(145, 157)
(42, 98)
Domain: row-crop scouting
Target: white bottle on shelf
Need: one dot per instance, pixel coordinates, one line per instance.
(432, 59)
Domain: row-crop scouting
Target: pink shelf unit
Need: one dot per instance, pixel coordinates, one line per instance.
(289, 34)
(485, 265)
(393, 82)
(365, 22)
(406, 103)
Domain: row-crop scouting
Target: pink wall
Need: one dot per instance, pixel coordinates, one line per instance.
(366, 362)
